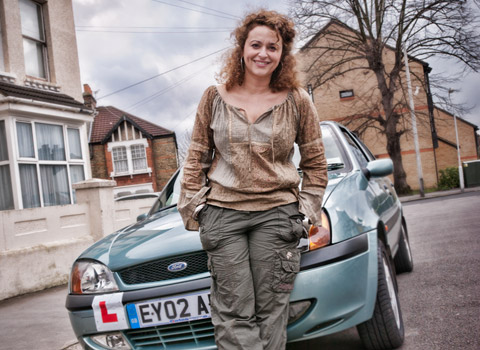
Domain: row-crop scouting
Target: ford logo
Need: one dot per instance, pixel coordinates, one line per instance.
(177, 266)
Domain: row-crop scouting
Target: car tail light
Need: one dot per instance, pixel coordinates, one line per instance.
(319, 236)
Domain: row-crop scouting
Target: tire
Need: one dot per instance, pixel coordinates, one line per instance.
(385, 329)
(403, 259)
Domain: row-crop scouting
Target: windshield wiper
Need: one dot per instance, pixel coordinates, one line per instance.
(335, 166)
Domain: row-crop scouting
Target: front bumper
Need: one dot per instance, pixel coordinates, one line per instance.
(340, 280)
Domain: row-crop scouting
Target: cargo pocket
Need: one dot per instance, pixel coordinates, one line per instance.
(210, 224)
(221, 289)
(286, 268)
(293, 230)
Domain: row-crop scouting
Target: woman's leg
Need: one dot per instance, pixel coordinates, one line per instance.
(275, 261)
(224, 235)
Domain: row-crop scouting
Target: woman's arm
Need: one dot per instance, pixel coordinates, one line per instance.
(312, 163)
(199, 159)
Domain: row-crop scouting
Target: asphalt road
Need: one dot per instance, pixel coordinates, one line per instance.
(440, 299)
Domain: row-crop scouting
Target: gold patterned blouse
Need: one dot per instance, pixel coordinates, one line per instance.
(236, 164)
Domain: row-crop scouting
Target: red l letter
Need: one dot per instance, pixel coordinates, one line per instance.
(106, 317)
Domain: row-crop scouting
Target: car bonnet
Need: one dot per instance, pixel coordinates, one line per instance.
(160, 235)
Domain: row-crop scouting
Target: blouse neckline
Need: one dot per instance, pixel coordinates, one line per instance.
(239, 109)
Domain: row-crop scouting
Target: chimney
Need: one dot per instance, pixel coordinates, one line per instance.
(88, 98)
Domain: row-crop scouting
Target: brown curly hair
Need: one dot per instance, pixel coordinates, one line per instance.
(285, 75)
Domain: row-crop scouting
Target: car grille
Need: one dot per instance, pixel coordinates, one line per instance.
(155, 271)
(187, 335)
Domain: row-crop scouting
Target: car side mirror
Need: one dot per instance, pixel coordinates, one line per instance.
(142, 217)
(378, 168)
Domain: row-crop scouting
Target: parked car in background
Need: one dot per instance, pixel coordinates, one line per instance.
(138, 196)
(147, 285)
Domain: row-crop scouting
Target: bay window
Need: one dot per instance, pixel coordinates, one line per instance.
(50, 160)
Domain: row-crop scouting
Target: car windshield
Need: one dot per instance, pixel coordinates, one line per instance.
(335, 159)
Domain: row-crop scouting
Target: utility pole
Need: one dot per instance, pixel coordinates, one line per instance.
(460, 167)
(414, 123)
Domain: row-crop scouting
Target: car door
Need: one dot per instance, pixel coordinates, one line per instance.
(386, 203)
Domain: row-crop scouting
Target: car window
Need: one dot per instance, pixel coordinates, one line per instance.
(170, 194)
(336, 158)
(355, 148)
(369, 154)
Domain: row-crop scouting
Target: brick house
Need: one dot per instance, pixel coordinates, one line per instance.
(349, 97)
(43, 124)
(139, 155)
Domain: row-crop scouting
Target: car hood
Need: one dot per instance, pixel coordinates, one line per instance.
(160, 235)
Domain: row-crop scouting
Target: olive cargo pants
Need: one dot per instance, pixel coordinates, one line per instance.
(253, 261)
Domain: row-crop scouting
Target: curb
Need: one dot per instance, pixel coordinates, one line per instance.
(438, 194)
(71, 345)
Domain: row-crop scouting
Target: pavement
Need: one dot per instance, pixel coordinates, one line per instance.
(40, 321)
(437, 194)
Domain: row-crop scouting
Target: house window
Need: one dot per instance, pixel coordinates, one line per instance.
(29, 185)
(25, 140)
(120, 161)
(50, 160)
(139, 158)
(129, 157)
(346, 94)
(74, 143)
(33, 32)
(6, 197)
(50, 144)
(77, 174)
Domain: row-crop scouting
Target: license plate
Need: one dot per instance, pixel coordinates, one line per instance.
(176, 309)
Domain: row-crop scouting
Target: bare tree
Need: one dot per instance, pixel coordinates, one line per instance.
(427, 28)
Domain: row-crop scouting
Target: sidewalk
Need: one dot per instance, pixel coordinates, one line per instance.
(39, 321)
(437, 194)
(36, 321)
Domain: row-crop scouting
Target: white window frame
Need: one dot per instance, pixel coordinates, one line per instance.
(8, 162)
(38, 163)
(41, 41)
(115, 161)
(128, 145)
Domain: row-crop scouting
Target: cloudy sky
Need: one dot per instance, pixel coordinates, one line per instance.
(154, 58)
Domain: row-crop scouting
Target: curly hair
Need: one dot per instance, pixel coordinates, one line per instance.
(285, 75)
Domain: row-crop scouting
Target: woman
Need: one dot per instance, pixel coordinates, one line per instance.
(240, 183)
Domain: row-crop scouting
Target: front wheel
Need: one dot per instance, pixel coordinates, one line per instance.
(403, 259)
(385, 329)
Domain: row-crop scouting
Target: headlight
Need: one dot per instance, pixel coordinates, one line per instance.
(319, 236)
(89, 277)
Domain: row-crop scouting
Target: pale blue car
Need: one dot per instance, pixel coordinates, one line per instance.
(147, 285)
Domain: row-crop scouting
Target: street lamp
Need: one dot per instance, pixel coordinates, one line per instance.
(460, 167)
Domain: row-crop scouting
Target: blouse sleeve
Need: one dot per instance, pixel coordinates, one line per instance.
(194, 184)
(312, 163)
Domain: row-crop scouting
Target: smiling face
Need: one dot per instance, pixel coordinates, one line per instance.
(262, 52)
